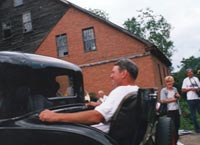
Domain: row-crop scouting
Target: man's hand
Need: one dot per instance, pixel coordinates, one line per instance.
(48, 116)
(190, 89)
(177, 96)
(193, 89)
(93, 104)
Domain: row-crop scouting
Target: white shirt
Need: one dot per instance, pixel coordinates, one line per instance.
(103, 98)
(166, 94)
(108, 108)
(191, 83)
(172, 105)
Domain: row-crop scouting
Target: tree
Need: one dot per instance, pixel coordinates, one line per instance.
(100, 13)
(193, 63)
(190, 62)
(153, 28)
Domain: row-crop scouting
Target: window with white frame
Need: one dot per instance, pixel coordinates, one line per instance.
(27, 22)
(61, 42)
(17, 3)
(89, 39)
(6, 29)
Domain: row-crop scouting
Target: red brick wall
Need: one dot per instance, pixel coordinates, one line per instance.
(110, 43)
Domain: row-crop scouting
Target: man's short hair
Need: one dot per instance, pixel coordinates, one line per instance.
(189, 69)
(130, 66)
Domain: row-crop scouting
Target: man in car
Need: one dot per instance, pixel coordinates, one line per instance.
(123, 75)
(101, 98)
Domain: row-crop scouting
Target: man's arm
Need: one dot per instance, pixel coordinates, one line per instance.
(185, 88)
(86, 117)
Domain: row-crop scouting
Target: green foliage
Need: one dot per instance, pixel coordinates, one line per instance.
(186, 122)
(93, 96)
(152, 27)
(100, 13)
(193, 63)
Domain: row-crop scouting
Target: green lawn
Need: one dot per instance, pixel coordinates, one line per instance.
(186, 122)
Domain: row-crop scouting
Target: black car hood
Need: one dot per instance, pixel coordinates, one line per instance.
(34, 60)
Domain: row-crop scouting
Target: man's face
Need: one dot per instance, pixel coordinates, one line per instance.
(116, 76)
(100, 94)
(190, 73)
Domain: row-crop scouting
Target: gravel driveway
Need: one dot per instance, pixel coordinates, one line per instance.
(190, 139)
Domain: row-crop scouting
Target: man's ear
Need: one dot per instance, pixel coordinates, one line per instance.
(124, 73)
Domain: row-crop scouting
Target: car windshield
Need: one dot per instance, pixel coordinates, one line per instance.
(24, 89)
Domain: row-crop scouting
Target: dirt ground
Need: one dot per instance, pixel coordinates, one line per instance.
(190, 139)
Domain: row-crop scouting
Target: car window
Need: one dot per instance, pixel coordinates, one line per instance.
(65, 86)
(24, 89)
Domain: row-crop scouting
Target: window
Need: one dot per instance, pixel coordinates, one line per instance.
(61, 42)
(89, 39)
(27, 22)
(17, 3)
(164, 72)
(6, 29)
(161, 82)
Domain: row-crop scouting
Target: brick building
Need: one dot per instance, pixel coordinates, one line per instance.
(61, 29)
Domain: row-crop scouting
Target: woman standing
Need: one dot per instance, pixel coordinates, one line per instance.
(170, 96)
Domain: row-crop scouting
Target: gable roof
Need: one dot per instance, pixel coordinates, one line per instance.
(150, 46)
(40, 37)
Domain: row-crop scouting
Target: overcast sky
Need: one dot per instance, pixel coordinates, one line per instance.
(183, 15)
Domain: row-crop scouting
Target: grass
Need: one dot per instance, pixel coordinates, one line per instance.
(186, 122)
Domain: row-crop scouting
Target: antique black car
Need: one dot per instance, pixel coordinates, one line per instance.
(30, 83)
